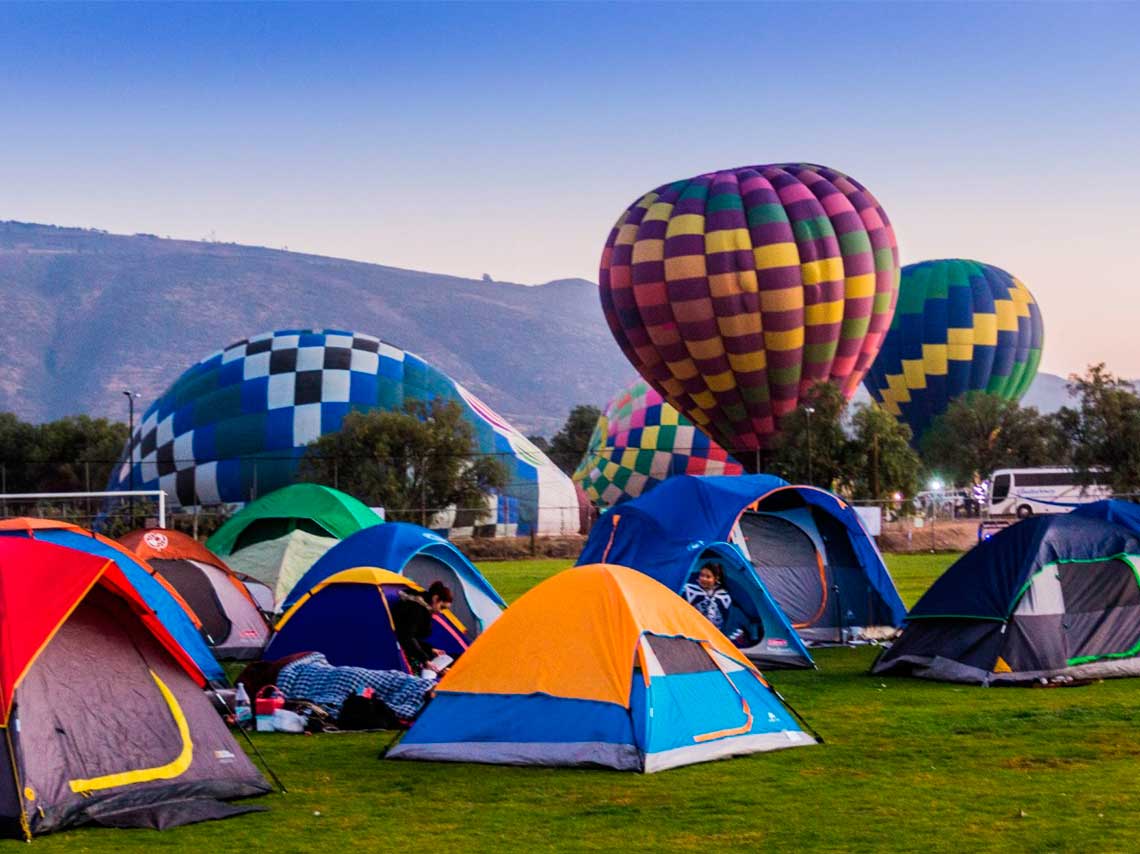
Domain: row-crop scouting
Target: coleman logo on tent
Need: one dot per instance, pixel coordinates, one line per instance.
(776, 642)
(156, 541)
(224, 755)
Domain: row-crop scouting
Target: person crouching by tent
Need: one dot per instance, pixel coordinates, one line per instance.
(412, 617)
(709, 597)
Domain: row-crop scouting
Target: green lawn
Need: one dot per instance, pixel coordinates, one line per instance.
(908, 766)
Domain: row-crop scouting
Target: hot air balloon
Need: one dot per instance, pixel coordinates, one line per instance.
(639, 441)
(960, 326)
(236, 424)
(733, 292)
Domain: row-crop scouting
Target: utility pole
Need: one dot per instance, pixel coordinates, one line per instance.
(810, 410)
(131, 395)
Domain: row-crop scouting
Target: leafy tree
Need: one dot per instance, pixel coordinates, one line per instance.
(569, 444)
(413, 462)
(1104, 428)
(882, 460)
(812, 447)
(981, 432)
(17, 439)
(76, 453)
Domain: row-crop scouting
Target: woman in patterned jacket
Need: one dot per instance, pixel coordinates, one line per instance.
(708, 595)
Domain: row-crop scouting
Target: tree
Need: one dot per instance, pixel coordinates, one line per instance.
(414, 463)
(981, 432)
(812, 447)
(882, 460)
(1104, 429)
(17, 440)
(540, 442)
(569, 444)
(76, 453)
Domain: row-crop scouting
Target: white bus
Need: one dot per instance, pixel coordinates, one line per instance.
(1041, 490)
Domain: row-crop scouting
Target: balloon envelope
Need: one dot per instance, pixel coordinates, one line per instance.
(638, 442)
(236, 425)
(960, 326)
(733, 292)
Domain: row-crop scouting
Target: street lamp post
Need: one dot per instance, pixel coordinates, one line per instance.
(130, 447)
(810, 410)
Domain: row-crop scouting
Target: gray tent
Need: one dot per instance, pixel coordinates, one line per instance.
(104, 714)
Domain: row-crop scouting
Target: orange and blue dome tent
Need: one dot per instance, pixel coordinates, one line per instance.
(601, 665)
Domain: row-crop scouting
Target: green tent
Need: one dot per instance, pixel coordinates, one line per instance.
(278, 537)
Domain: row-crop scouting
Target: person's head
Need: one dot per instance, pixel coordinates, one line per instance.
(438, 596)
(711, 576)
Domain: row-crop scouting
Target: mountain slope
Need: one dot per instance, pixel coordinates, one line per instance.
(89, 314)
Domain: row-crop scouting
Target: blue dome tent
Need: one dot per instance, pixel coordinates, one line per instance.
(802, 547)
(416, 553)
(1051, 596)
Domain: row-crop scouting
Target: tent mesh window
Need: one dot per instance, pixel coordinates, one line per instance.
(787, 562)
(1102, 608)
(270, 529)
(194, 586)
(680, 655)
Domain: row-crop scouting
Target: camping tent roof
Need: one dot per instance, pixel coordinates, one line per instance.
(337, 512)
(678, 515)
(40, 585)
(987, 581)
(178, 617)
(369, 575)
(391, 546)
(165, 544)
(1112, 510)
(579, 632)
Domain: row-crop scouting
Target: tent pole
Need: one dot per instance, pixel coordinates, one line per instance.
(391, 743)
(798, 716)
(253, 746)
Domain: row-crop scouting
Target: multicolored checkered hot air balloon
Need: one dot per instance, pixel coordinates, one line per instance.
(638, 442)
(733, 292)
(960, 326)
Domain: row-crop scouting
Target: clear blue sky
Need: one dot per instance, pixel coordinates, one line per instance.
(505, 138)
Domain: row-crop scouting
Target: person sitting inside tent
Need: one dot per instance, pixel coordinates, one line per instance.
(412, 617)
(710, 598)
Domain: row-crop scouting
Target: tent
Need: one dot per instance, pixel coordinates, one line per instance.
(1051, 596)
(276, 538)
(811, 550)
(176, 615)
(230, 616)
(601, 665)
(102, 710)
(816, 544)
(1112, 510)
(348, 618)
(655, 537)
(419, 554)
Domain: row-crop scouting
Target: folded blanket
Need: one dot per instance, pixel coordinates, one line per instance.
(312, 678)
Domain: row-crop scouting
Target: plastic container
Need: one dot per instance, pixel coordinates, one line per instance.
(243, 711)
(269, 699)
(287, 721)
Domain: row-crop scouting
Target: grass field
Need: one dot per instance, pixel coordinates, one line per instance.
(907, 766)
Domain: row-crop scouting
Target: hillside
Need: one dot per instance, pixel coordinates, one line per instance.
(88, 314)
